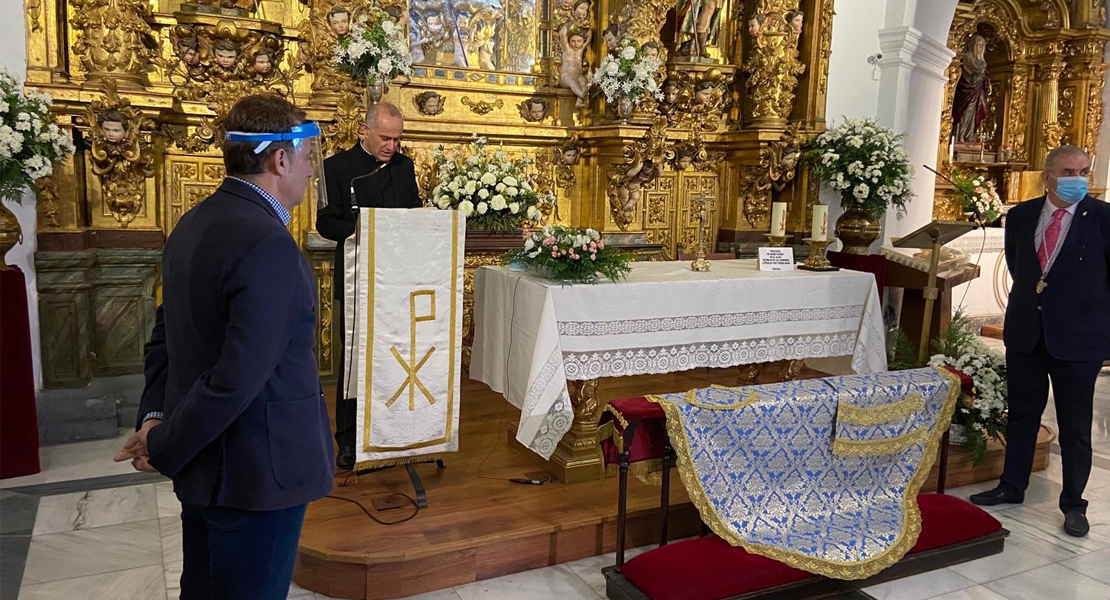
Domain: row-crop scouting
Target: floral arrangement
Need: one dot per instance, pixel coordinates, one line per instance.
(982, 409)
(376, 50)
(571, 255)
(31, 143)
(864, 162)
(978, 193)
(629, 74)
(493, 191)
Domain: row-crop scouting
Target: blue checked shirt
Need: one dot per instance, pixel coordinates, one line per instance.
(278, 208)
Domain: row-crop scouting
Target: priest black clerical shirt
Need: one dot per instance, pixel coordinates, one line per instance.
(394, 186)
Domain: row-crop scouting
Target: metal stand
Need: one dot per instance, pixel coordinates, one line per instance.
(384, 504)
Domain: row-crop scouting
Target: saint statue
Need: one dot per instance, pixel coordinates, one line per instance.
(972, 92)
(699, 23)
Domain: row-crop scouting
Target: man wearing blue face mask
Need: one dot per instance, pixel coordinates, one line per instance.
(1057, 328)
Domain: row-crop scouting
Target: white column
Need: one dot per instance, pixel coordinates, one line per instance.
(13, 57)
(911, 95)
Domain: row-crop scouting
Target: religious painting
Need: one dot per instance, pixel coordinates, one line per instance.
(492, 35)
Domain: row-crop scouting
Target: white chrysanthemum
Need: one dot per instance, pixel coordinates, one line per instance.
(489, 178)
(498, 203)
(510, 181)
(471, 187)
(483, 193)
(466, 207)
(4, 107)
(861, 191)
(483, 208)
(514, 208)
(533, 213)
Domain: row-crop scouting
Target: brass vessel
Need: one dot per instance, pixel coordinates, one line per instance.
(857, 229)
(10, 234)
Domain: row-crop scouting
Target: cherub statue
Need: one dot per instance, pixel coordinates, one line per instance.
(565, 158)
(226, 58)
(612, 37)
(572, 71)
(629, 190)
(533, 109)
(119, 154)
(429, 103)
(113, 126)
(339, 20)
(262, 63)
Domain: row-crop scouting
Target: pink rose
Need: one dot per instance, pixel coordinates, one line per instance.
(600, 245)
(593, 257)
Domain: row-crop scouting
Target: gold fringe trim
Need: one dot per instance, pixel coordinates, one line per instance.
(850, 414)
(648, 471)
(860, 448)
(402, 460)
(691, 399)
(616, 414)
(830, 568)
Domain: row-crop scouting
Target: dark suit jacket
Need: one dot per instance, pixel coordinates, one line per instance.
(392, 187)
(1073, 312)
(232, 361)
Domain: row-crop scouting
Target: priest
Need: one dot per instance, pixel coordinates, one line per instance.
(375, 174)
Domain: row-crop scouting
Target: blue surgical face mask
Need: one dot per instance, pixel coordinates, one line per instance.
(1071, 189)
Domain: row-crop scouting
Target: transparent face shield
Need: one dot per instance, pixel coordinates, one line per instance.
(306, 146)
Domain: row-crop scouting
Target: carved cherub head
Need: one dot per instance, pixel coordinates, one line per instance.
(189, 51)
(755, 24)
(795, 19)
(533, 109)
(703, 92)
(339, 20)
(684, 157)
(568, 155)
(263, 62)
(577, 39)
(463, 20)
(581, 10)
(672, 89)
(651, 49)
(612, 38)
(429, 103)
(113, 126)
(226, 53)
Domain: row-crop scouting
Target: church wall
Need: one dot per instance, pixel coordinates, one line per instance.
(1102, 153)
(853, 83)
(13, 50)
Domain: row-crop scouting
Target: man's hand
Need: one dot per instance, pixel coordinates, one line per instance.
(135, 448)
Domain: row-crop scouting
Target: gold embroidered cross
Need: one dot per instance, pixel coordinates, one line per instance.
(411, 367)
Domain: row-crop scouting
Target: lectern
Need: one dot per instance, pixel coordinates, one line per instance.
(933, 236)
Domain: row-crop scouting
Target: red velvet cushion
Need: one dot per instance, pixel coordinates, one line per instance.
(708, 568)
(638, 408)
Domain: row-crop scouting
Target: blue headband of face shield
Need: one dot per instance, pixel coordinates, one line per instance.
(308, 129)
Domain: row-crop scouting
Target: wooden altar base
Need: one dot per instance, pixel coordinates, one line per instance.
(480, 526)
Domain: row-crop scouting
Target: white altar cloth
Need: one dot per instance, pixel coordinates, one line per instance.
(532, 335)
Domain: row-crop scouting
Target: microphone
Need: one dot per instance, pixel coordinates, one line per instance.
(354, 204)
(974, 207)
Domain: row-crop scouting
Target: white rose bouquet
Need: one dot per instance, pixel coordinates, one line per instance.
(978, 192)
(31, 143)
(571, 255)
(493, 191)
(376, 50)
(629, 74)
(864, 162)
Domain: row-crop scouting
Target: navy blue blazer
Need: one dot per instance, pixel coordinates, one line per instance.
(1073, 312)
(232, 361)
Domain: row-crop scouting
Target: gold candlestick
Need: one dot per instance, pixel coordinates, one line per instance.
(818, 260)
(777, 241)
(700, 263)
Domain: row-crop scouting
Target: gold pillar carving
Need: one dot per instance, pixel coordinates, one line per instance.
(1014, 135)
(1046, 111)
(121, 157)
(773, 68)
(113, 39)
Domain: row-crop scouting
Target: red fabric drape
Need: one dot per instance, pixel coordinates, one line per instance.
(19, 423)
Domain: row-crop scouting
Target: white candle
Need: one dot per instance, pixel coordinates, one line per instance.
(778, 218)
(820, 229)
(951, 149)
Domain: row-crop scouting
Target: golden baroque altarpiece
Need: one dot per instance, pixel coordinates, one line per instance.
(145, 84)
(1027, 77)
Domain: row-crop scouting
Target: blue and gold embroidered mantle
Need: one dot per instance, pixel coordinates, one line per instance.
(823, 474)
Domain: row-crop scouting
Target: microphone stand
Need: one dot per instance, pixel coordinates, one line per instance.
(974, 207)
(354, 204)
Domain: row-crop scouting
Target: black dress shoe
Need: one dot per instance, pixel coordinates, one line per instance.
(1075, 524)
(346, 459)
(998, 495)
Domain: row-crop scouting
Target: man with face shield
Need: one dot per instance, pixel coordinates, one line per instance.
(1057, 328)
(372, 173)
(233, 411)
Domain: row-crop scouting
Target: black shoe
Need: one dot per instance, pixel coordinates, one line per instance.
(346, 459)
(998, 495)
(1075, 524)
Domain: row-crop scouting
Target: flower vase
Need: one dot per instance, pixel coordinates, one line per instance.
(957, 435)
(10, 234)
(624, 109)
(374, 93)
(857, 229)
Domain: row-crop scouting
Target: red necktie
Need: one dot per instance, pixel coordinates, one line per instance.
(1051, 237)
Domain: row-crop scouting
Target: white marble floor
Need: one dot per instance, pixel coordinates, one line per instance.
(124, 543)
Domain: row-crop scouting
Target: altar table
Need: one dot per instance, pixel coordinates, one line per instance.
(534, 336)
